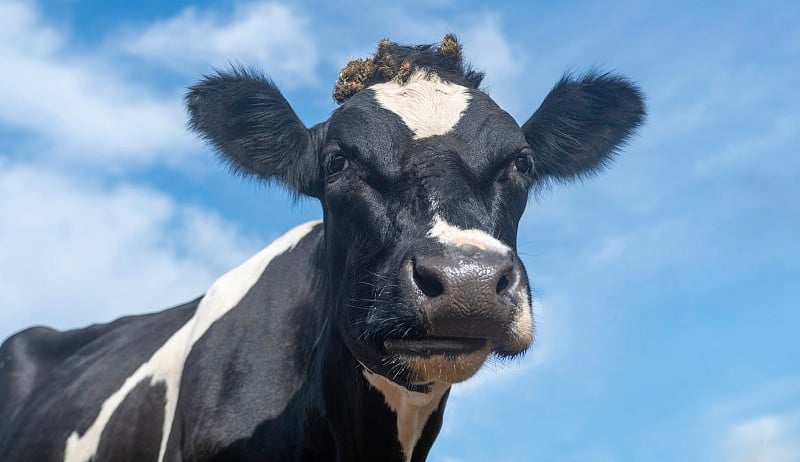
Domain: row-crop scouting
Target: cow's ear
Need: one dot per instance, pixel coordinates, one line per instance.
(249, 122)
(581, 124)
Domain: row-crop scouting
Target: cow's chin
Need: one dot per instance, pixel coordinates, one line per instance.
(446, 367)
(419, 370)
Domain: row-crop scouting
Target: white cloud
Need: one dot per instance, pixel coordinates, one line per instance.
(268, 35)
(667, 242)
(74, 252)
(80, 107)
(19, 19)
(78, 245)
(768, 438)
(488, 49)
(759, 423)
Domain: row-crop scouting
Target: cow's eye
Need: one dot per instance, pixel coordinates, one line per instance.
(523, 162)
(336, 163)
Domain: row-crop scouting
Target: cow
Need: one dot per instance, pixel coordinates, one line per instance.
(339, 341)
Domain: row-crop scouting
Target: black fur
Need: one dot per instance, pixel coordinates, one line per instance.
(249, 122)
(582, 123)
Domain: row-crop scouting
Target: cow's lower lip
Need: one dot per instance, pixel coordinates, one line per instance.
(435, 345)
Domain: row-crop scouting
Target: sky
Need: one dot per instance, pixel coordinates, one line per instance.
(667, 305)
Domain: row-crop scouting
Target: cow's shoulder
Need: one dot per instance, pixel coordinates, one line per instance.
(98, 380)
(243, 376)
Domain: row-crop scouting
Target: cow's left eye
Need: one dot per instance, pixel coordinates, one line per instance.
(523, 162)
(336, 163)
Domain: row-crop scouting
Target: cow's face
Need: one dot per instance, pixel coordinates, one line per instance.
(422, 182)
(424, 185)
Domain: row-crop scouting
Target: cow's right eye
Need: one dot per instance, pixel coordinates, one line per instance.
(523, 162)
(336, 163)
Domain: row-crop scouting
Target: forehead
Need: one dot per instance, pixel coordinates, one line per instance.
(390, 118)
(427, 105)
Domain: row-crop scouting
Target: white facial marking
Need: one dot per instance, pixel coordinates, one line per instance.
(428, 105)
(412, 408)
(522, 332)
(166, 364)
(448, 234)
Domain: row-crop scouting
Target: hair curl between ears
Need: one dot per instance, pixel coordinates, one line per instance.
(398, 62)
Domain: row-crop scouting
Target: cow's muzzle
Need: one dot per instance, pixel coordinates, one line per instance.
(472, 302)
(466, 293)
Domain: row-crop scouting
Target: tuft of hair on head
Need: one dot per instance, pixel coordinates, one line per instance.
(398, 62)
(352, 77)
(450, 46)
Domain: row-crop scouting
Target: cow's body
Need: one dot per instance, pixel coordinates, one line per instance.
(255, 385)
(340, 340)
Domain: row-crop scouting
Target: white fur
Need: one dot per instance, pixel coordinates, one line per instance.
(428, 105)
(412, 408)
(452, 235)
(166, 364)
(523, 326)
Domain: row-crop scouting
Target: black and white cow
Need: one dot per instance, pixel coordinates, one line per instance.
(341, 339)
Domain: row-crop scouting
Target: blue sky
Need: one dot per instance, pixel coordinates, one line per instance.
(667, 298)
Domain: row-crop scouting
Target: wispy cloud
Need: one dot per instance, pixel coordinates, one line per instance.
(758, 153)
(767, 438)
(489, 48)
(755, 423)
(76, 251)
(85, 243)
(268, 35)
(79, 107)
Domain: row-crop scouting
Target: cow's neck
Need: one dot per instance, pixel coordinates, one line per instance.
(413, 409)
(372, 418)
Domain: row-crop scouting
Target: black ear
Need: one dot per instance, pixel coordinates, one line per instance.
(244, 116)
(582, 123)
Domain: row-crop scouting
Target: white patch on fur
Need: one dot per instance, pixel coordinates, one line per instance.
(412, 408)
(428, 105)
(448, 234)
(166, 364)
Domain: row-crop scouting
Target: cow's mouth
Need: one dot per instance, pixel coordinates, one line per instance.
(440, 359)
(429, 346)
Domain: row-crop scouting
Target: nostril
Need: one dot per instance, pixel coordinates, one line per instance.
(508, 278)
(427, 281)
(502, 284)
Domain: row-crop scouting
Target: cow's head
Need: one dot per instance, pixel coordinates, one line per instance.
(423, 180)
